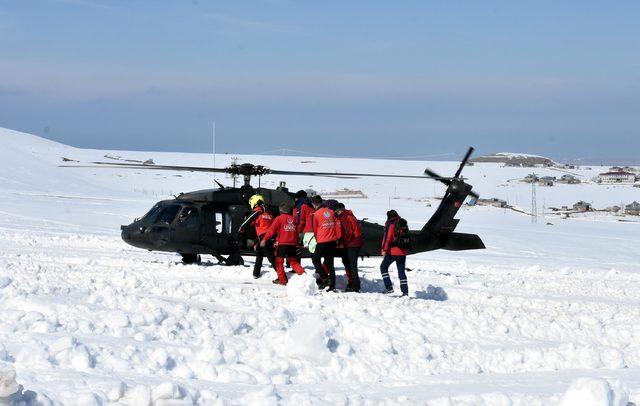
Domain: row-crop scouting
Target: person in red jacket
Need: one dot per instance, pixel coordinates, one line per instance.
(303, 215)
(261, 219)
(284, 230)
(326, 231)
(352, 240)
(392, 253)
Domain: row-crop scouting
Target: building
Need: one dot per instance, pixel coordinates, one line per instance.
(569, 179)
(616, 177)
(495, 202)
(530, 178)
(547, 181)
(632, 209)
(582, 206)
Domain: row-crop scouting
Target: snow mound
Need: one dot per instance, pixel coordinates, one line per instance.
(8, 384)
(263, 397)
(433, 293)
(307, 340)
(302, 285)
(595, 392)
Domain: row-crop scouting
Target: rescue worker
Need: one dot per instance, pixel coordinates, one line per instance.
(326, 231)
(261, 219)
(302, 214)
(352, 240)
(285, 231)
(392, 253)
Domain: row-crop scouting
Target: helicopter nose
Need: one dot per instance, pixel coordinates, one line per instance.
(132, 234)
(126, 234)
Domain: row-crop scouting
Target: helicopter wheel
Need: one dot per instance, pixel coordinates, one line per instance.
(188, 259)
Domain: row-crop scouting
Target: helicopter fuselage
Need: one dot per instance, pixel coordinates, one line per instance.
(207, 222)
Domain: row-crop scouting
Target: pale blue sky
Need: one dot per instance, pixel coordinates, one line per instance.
(360, 78)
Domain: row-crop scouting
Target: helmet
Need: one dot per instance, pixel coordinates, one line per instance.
(255, 200)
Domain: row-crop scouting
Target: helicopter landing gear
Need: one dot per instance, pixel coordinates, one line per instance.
(234, 259)
(188, 259)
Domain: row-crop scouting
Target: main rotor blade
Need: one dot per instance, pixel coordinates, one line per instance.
(341, 175)
(464, 162)
(433, 175)
(346, 174)
(146, 166)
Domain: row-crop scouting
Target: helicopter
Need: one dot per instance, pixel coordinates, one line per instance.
(208, 221)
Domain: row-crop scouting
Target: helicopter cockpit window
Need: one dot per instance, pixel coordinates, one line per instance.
(168, 214)
(188, 217)
(153, 212)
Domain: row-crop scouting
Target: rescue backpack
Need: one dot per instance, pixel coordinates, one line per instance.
(402, 236)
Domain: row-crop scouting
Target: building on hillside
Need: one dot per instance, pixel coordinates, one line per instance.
(569, 179)
(613, 177)
(582, 206)
(495, 202)
(632, 209)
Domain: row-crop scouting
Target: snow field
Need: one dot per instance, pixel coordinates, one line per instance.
(129, 322)
(547, 314)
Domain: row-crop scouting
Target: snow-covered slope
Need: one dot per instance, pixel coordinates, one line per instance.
(86, 319)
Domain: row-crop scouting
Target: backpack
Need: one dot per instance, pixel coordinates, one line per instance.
(402, 236)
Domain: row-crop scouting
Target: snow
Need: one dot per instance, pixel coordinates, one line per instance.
(546, 314)
(595, 392)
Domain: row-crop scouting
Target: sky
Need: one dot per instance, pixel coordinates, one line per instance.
(410, 79)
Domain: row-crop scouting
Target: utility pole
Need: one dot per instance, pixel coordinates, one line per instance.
(534, 202)
(214, 148)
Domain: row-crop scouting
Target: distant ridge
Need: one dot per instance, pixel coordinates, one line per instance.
(515, 159)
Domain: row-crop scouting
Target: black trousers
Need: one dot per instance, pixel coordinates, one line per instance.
(325, 251)
(261, 252)
(350, 261)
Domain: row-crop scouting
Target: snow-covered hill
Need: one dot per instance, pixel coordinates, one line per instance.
(86, 319)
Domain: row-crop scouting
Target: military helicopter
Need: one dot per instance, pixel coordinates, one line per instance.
(207, 221)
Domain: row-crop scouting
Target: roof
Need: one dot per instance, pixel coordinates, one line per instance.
(617, 173)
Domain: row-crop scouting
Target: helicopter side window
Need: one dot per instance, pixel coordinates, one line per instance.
(218, 222)
(168, 214)
(188, 217)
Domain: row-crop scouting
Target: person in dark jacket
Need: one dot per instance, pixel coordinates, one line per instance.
(392, 253)
(327, 233)
(352, 240)
(284, 230)
(261, 219)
